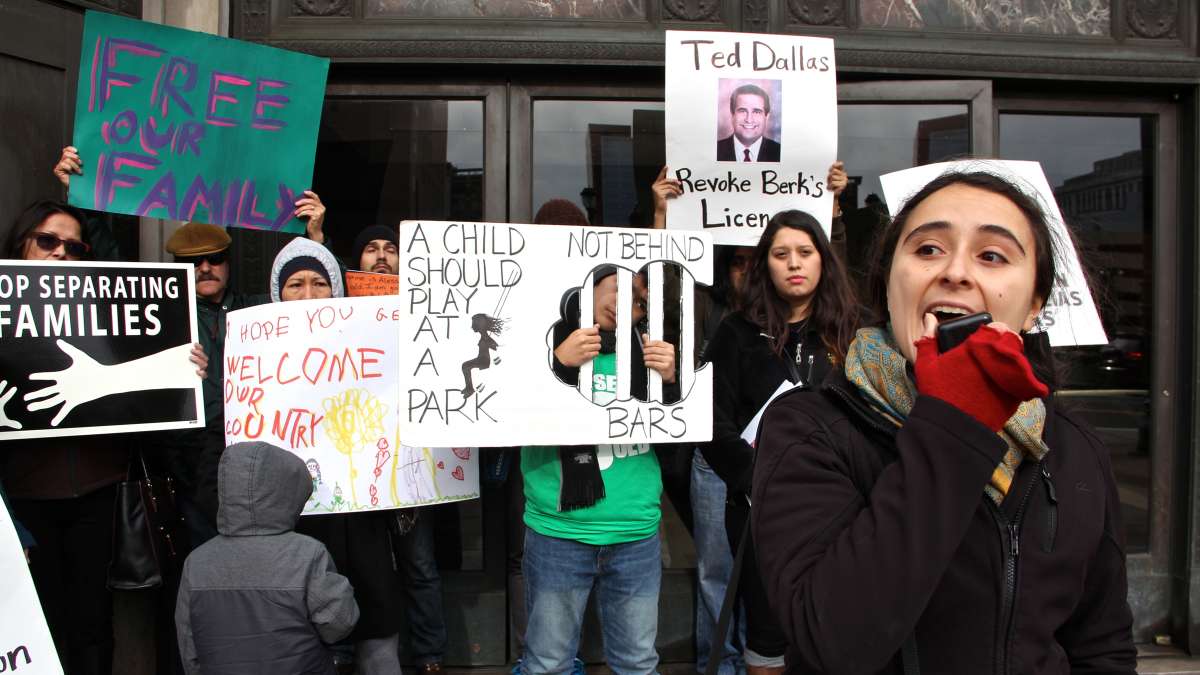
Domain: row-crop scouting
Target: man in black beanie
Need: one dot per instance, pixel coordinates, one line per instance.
(376, 250)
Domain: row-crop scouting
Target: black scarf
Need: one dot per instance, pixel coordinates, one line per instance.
(580, 482)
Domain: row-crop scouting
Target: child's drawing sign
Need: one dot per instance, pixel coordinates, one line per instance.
(319, 378)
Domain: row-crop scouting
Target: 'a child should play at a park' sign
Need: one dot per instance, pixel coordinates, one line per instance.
(172, 123)
(319, 378)
(751, 127)
(485, 305)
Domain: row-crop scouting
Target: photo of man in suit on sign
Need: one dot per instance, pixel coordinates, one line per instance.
(750, 110)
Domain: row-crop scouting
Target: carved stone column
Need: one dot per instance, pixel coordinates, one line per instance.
(209, 16)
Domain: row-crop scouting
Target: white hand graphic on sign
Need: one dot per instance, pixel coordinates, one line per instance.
(4, 399)
(81, 382)
(86, 379)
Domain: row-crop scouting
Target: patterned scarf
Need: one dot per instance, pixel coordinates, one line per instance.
(879, 371)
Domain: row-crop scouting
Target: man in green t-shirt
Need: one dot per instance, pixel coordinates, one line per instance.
(592, 512)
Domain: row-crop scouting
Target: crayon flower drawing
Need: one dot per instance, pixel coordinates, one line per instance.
(353, 420)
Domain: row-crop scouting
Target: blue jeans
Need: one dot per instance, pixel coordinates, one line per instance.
(423, 592)
(559, 575)
(714, 563)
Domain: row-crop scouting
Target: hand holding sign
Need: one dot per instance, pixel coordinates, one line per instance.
(199, 359)
(659, 356)
(581, 346)
(837, 182)
(68, 163)
(310, 207)
(5, 422)
(665, 187)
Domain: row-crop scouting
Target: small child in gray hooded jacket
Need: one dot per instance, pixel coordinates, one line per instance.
(261, 598)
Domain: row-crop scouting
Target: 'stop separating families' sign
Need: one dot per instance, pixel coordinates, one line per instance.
(177, 124)
(92, 348)
(1070, 315)
(484, 306)
(751, 125)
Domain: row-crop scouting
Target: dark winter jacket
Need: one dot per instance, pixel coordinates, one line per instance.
(190, 456)
(362, 549)
(866, 532)
(747, 372)
(260, 598)
(210, 317)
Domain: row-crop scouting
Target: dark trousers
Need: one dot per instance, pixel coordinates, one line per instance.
(70, 570)
(423, 591)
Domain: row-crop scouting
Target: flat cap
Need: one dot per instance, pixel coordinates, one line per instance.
(198, 239)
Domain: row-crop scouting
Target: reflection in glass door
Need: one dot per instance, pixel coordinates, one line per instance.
(1113, 169)
(388, 153)
(889, 126)
(1099, 169)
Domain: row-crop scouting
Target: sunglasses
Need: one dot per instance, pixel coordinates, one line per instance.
(213, 259)
(50, 242)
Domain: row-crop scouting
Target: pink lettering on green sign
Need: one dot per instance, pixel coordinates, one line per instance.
(215, 96)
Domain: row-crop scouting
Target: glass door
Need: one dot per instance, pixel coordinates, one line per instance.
(1114, 171)
(600, 148)
(388, 153)
(889, 126)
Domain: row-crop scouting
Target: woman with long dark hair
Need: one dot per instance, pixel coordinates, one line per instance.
(63, 489)
(936, 511)
(797, 318)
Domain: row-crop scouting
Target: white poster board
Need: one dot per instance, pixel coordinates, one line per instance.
(1070, 315)
(25, 642)
(481, 302)
(319, 378)
(751, 130)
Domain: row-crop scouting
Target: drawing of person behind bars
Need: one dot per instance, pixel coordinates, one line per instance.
(486, 326)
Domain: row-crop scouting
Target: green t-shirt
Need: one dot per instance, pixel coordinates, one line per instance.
(629, 510)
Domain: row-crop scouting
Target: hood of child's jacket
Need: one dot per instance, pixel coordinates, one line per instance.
(263, 489)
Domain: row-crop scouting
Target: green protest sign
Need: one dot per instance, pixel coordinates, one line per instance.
(172, 123)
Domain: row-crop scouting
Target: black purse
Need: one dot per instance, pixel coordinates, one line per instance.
(149, 534)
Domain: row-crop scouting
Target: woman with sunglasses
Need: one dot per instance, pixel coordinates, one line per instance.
(797, 318)
(48, 230)
(63, 489)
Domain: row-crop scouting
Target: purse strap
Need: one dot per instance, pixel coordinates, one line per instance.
(136, 461)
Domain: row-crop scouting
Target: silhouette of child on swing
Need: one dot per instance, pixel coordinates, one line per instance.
(486, 326)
